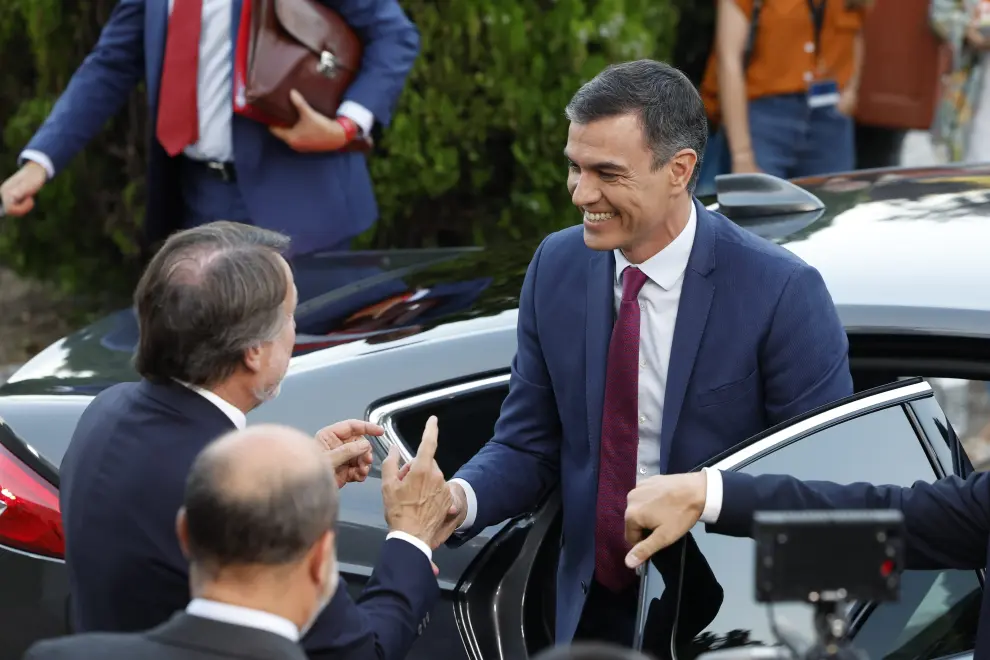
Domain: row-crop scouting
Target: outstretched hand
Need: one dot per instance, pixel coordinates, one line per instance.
(416, 497)
(347, 449)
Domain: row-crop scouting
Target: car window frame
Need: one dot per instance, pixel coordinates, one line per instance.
(384, 414)
(838, 412)
(900, 394)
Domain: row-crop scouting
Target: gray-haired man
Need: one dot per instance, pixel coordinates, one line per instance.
(215, 308)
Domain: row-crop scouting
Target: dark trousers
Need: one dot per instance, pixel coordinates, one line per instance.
(207, 197)
(877, 146)
(609, 617)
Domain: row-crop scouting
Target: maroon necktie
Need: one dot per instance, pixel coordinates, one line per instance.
(620, 439)
(178, 119)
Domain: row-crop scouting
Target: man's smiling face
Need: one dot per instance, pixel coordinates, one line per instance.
(612, 181)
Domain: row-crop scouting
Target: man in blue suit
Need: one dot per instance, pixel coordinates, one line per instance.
(651, 338)
(216, 312)
(205, 162)
(947, 523)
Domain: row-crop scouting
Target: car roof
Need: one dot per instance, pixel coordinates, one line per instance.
(901, 251)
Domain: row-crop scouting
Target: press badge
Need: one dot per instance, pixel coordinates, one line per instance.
(823, 93)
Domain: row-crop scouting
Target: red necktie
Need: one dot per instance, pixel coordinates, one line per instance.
(620, 439)
(178, 119)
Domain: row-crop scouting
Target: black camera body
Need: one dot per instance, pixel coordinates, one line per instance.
(828, 559)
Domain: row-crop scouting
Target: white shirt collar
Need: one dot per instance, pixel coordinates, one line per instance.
(243, 616)
(667, 265)
(235, 414)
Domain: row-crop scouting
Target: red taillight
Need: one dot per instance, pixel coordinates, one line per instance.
(29, 515)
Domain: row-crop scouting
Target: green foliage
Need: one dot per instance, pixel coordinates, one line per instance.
(82, 233)
(473, 154)
(474, 150)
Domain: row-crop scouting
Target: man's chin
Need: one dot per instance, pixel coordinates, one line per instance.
(268, 394)
(597, 241)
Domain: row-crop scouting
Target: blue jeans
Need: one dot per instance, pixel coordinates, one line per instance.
(789, 140)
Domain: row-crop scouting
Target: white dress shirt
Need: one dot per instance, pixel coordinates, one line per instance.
(243, 616)
(658, 302)
(239, 420)
(713, 496)
(214, 83)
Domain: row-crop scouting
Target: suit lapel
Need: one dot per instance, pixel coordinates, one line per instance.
(692, 316)
(600, 318)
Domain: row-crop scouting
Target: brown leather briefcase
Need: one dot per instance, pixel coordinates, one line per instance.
(301, 45)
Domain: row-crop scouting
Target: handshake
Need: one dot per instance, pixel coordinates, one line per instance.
(418, 500)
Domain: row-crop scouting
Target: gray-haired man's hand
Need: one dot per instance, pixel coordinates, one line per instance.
(417, 499)
(347, 449)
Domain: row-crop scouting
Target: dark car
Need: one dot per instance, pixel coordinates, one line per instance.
(401, 335)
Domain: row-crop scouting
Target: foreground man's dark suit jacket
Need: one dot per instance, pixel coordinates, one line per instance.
(122, 481)
(947, 522)
(184, 637)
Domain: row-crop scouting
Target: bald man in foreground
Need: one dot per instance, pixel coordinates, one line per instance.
(258, 528)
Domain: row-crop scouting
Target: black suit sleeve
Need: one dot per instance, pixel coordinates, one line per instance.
(389, 614)
(947, 522)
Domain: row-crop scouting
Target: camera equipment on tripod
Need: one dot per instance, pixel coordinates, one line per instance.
(828, 556)
(828, 559)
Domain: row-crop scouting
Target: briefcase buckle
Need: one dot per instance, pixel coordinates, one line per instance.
(327, 65)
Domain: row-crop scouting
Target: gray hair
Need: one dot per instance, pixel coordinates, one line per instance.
(669, 107)
(210, 294)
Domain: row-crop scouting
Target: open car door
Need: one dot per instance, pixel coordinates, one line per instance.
(895, 434)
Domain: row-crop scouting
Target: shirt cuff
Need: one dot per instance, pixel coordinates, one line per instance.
(359, 114)
(713, 496)
(409, 538)
(40, 159)
(472, 504)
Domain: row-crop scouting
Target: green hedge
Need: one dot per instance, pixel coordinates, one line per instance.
(473, 154)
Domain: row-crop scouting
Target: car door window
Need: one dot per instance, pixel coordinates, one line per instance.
(937, 610)
(967, 405)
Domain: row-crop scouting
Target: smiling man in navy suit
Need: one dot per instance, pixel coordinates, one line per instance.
(650, 338)
(206, 163)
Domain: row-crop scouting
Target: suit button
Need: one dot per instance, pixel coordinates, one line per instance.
(584, 587)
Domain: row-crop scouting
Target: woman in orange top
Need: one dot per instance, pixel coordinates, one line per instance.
(788, 111)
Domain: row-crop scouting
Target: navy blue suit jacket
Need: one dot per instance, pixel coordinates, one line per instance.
(947, 523)
(122, 482)
(317, 199)
(757, 341)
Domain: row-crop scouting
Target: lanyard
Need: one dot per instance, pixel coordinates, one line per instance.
(817, 8)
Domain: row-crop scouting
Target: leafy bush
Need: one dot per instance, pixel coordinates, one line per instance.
(473, 154)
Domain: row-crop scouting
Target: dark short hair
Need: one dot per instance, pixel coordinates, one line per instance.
(208, 295)
(273, 524)
(669, 107)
